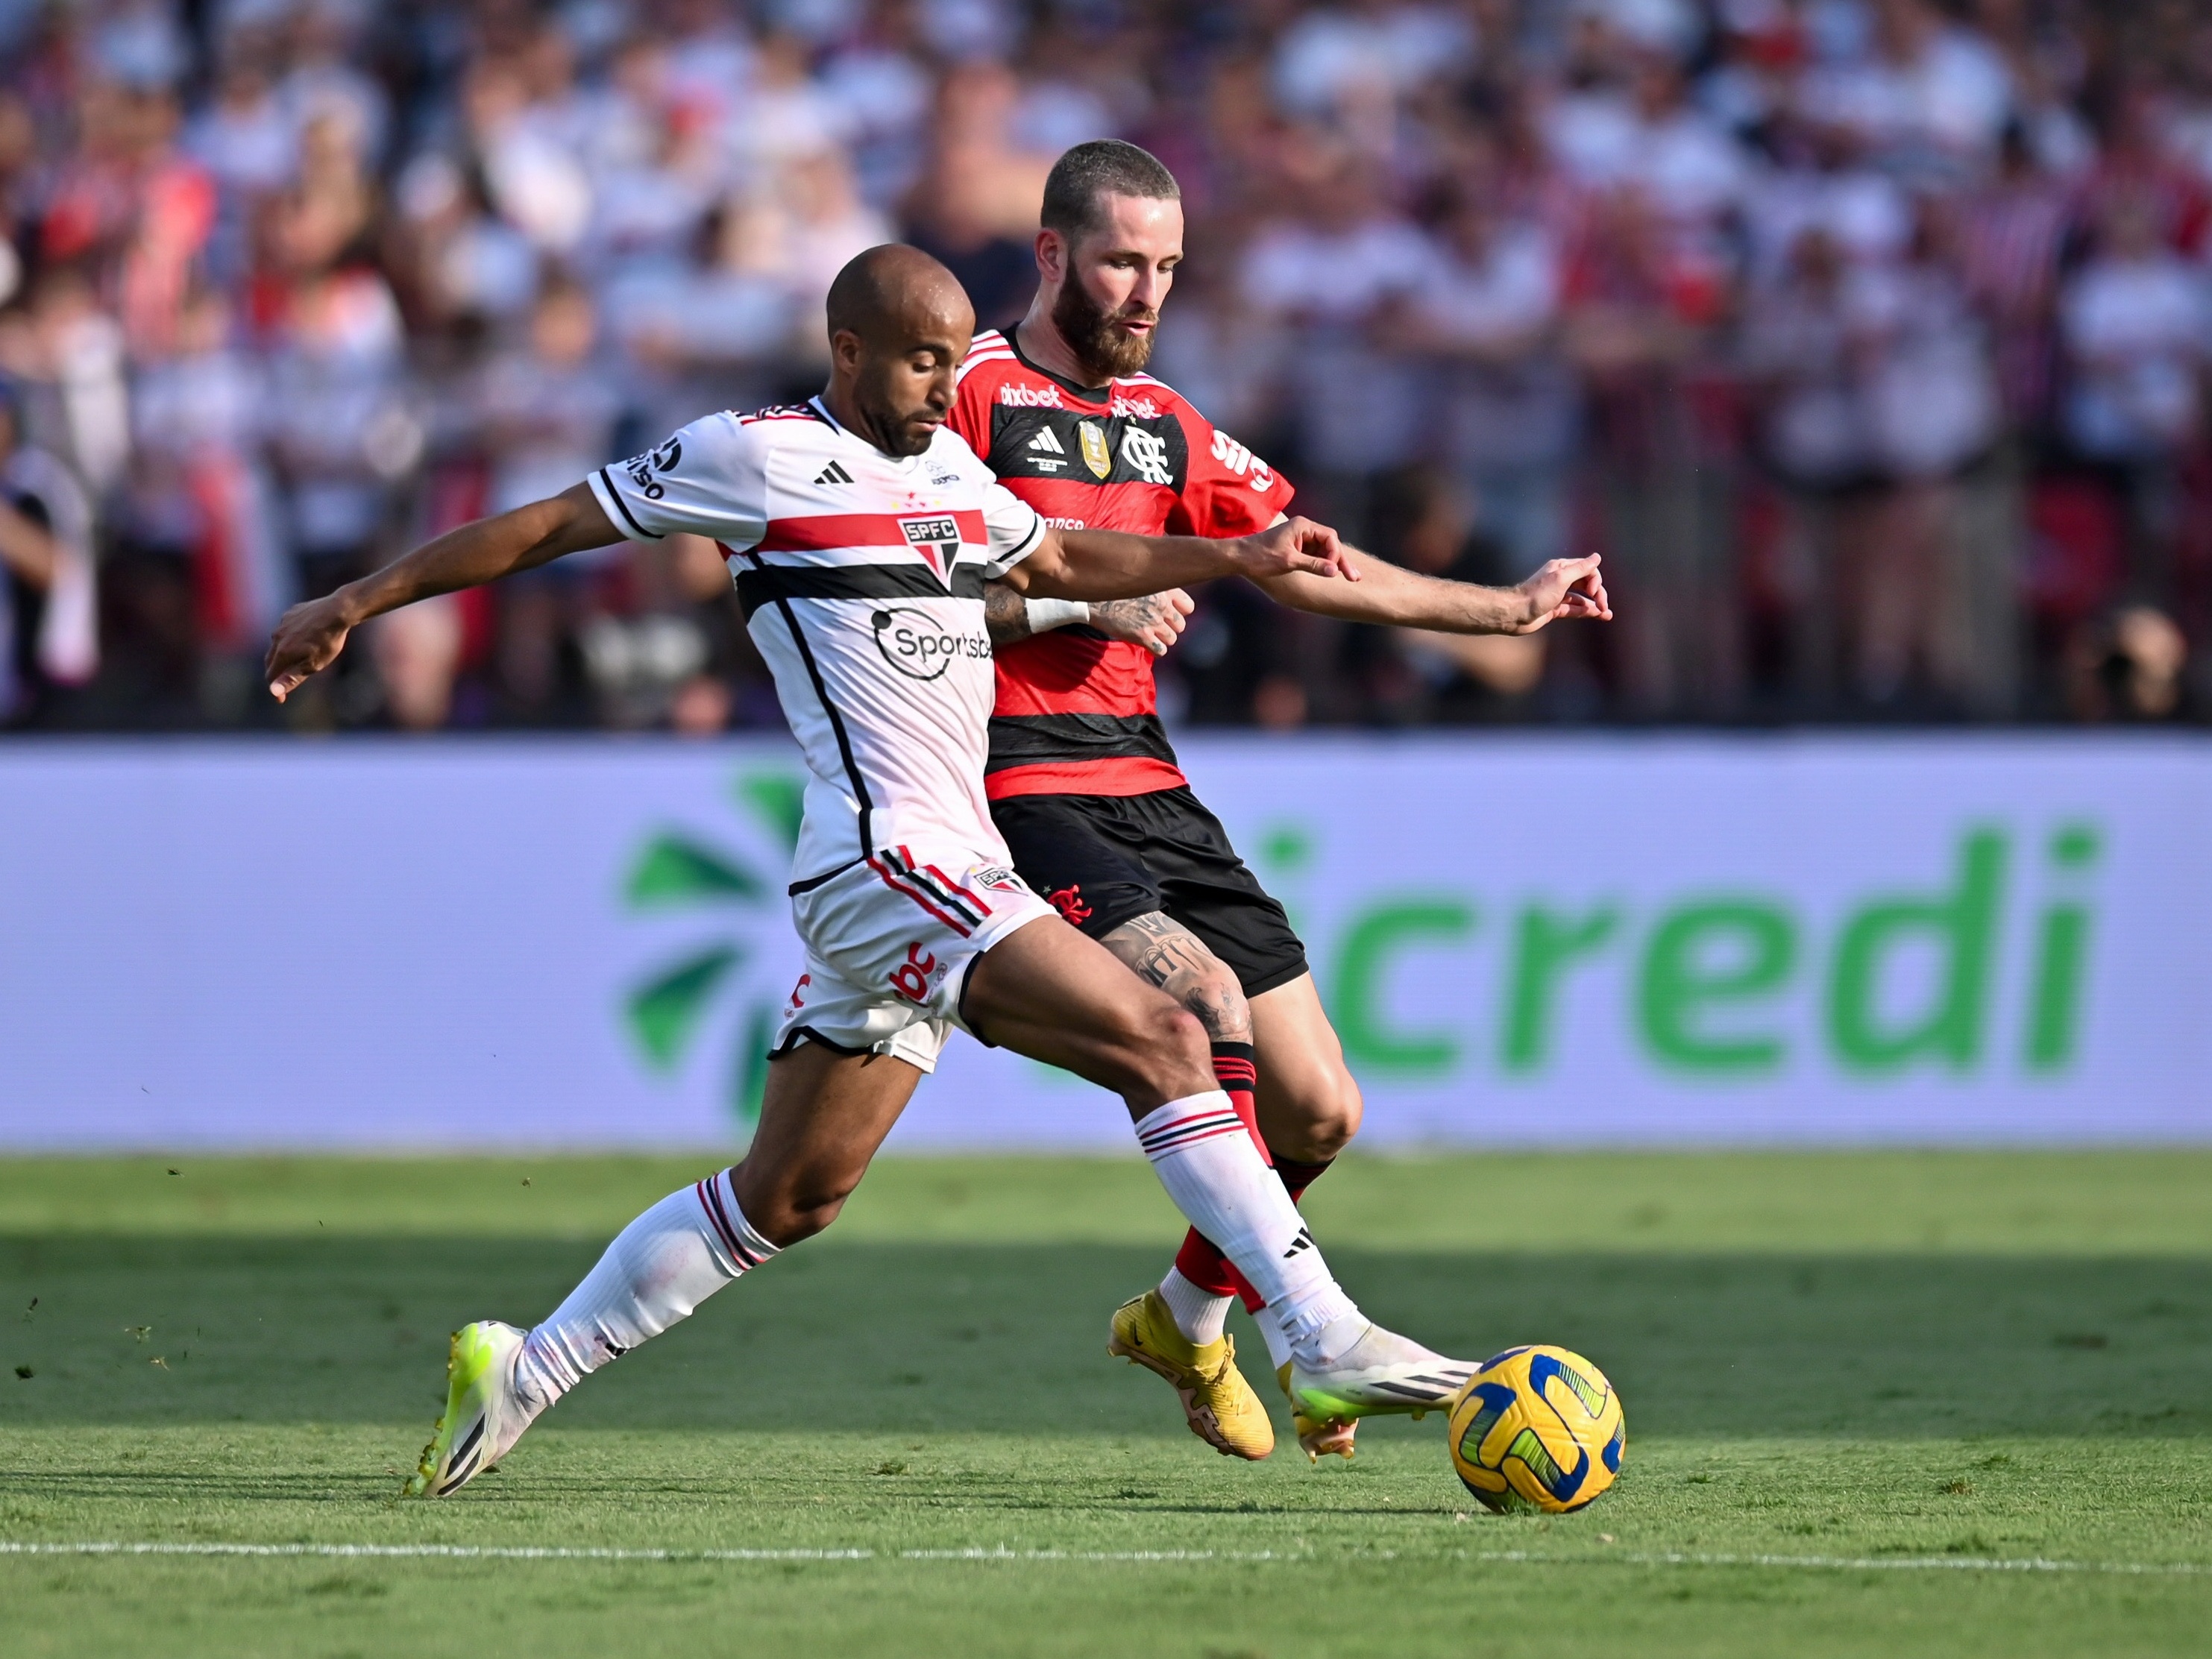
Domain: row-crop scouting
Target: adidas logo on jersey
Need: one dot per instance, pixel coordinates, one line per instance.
(1046, 452)
(834, 473)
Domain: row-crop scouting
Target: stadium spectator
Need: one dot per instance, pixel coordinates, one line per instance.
(2136, 321)
(1804, 312)
(46, 603)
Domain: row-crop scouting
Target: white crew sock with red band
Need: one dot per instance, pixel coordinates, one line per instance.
(659, 1267)
(1205, 1159)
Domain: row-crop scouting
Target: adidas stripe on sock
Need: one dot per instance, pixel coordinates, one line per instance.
(659, 1267)
(1212, 1168)
(1295, 1178)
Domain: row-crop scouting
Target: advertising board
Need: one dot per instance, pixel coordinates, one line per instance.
(1521, 940)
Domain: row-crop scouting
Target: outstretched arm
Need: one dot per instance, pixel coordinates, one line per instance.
(309, 636)
(1386, 593)
(1109, 564)
(1153, 622)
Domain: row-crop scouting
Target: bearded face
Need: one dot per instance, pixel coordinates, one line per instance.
(1106, 349)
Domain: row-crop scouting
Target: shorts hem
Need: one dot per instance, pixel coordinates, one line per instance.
(1273, 978)
(968, 970)
(800, 1034)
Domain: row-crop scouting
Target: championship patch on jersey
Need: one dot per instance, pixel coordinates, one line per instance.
(937, 539)
(1096, 455)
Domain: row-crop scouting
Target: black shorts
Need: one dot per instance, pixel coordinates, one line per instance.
(1106, 860)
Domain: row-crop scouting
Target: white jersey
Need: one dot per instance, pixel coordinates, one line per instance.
(861, 575)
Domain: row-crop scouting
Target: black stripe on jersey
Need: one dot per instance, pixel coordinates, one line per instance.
(1161, 443)
(813, 882)
(758, 587)
(622, 506)
(837, 724)
(1028, 739)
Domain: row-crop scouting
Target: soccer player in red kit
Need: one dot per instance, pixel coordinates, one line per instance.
(1082, 782)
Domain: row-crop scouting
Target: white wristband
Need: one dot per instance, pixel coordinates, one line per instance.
(1045, 615)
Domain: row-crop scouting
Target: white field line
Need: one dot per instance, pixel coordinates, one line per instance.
(1529, 1557)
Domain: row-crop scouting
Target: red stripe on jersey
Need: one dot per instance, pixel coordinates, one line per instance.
(821, 531)
(1064, 673)
(1122, 774)
(884, 873)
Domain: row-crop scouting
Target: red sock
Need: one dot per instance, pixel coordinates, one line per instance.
(1234, 1068)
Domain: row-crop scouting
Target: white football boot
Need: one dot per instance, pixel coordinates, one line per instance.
(484, 1416)
(1377, 1372)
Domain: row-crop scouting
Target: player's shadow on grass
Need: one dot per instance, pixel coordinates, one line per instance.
(893, 1337)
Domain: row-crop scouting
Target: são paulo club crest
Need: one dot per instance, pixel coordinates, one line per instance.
(936, 538)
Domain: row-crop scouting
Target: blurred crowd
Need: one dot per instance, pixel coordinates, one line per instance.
(1867, 339)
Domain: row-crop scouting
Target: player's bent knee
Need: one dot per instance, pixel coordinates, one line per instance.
(1324, 1120)
(787, 1208)
(1217, 1001)
(1167, 1054)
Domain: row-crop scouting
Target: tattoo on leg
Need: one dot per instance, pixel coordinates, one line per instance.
(1165, 953)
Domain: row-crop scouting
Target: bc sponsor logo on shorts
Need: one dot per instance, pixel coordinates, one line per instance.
(910, 979)
(921, 647)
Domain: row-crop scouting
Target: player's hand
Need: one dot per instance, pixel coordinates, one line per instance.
(307, 640)
(1292, 546)
(1565, 589)
(1153, 622)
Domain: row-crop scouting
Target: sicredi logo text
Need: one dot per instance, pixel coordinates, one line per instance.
(1985, 965)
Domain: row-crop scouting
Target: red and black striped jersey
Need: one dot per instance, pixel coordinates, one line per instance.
(1076, 711)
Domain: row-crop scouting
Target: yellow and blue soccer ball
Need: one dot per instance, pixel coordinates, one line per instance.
(1537, 1428)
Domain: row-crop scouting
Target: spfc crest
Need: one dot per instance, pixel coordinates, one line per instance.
(1096, 455)
(937, 539)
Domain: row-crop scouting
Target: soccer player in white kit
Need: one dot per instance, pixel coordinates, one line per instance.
(860, 532)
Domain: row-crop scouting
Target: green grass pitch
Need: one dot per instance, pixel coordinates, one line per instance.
(1863, 1390)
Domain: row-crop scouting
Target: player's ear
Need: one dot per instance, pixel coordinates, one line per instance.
(845, 350)
(1052, 255)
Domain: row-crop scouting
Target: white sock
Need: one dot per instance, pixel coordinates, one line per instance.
(1205, 1158)
(1278, 1345)
(659, 1267)
(1199, 1313)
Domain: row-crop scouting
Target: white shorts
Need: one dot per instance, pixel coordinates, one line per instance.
(890, 941)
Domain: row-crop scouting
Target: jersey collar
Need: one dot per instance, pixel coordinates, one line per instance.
(820, 408)
(1090, 394)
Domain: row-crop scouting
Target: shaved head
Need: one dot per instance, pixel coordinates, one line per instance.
(894, 293)
(899, 325)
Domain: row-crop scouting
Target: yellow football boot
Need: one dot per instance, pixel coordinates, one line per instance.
(1219, 1404)
(1318, 1437)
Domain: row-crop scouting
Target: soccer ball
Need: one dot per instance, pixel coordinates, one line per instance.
(1537, 1428)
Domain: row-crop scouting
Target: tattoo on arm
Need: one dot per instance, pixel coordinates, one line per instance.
(1005, 617)
(1169, 955)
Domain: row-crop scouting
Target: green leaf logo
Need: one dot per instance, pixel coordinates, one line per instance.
(678, 871)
